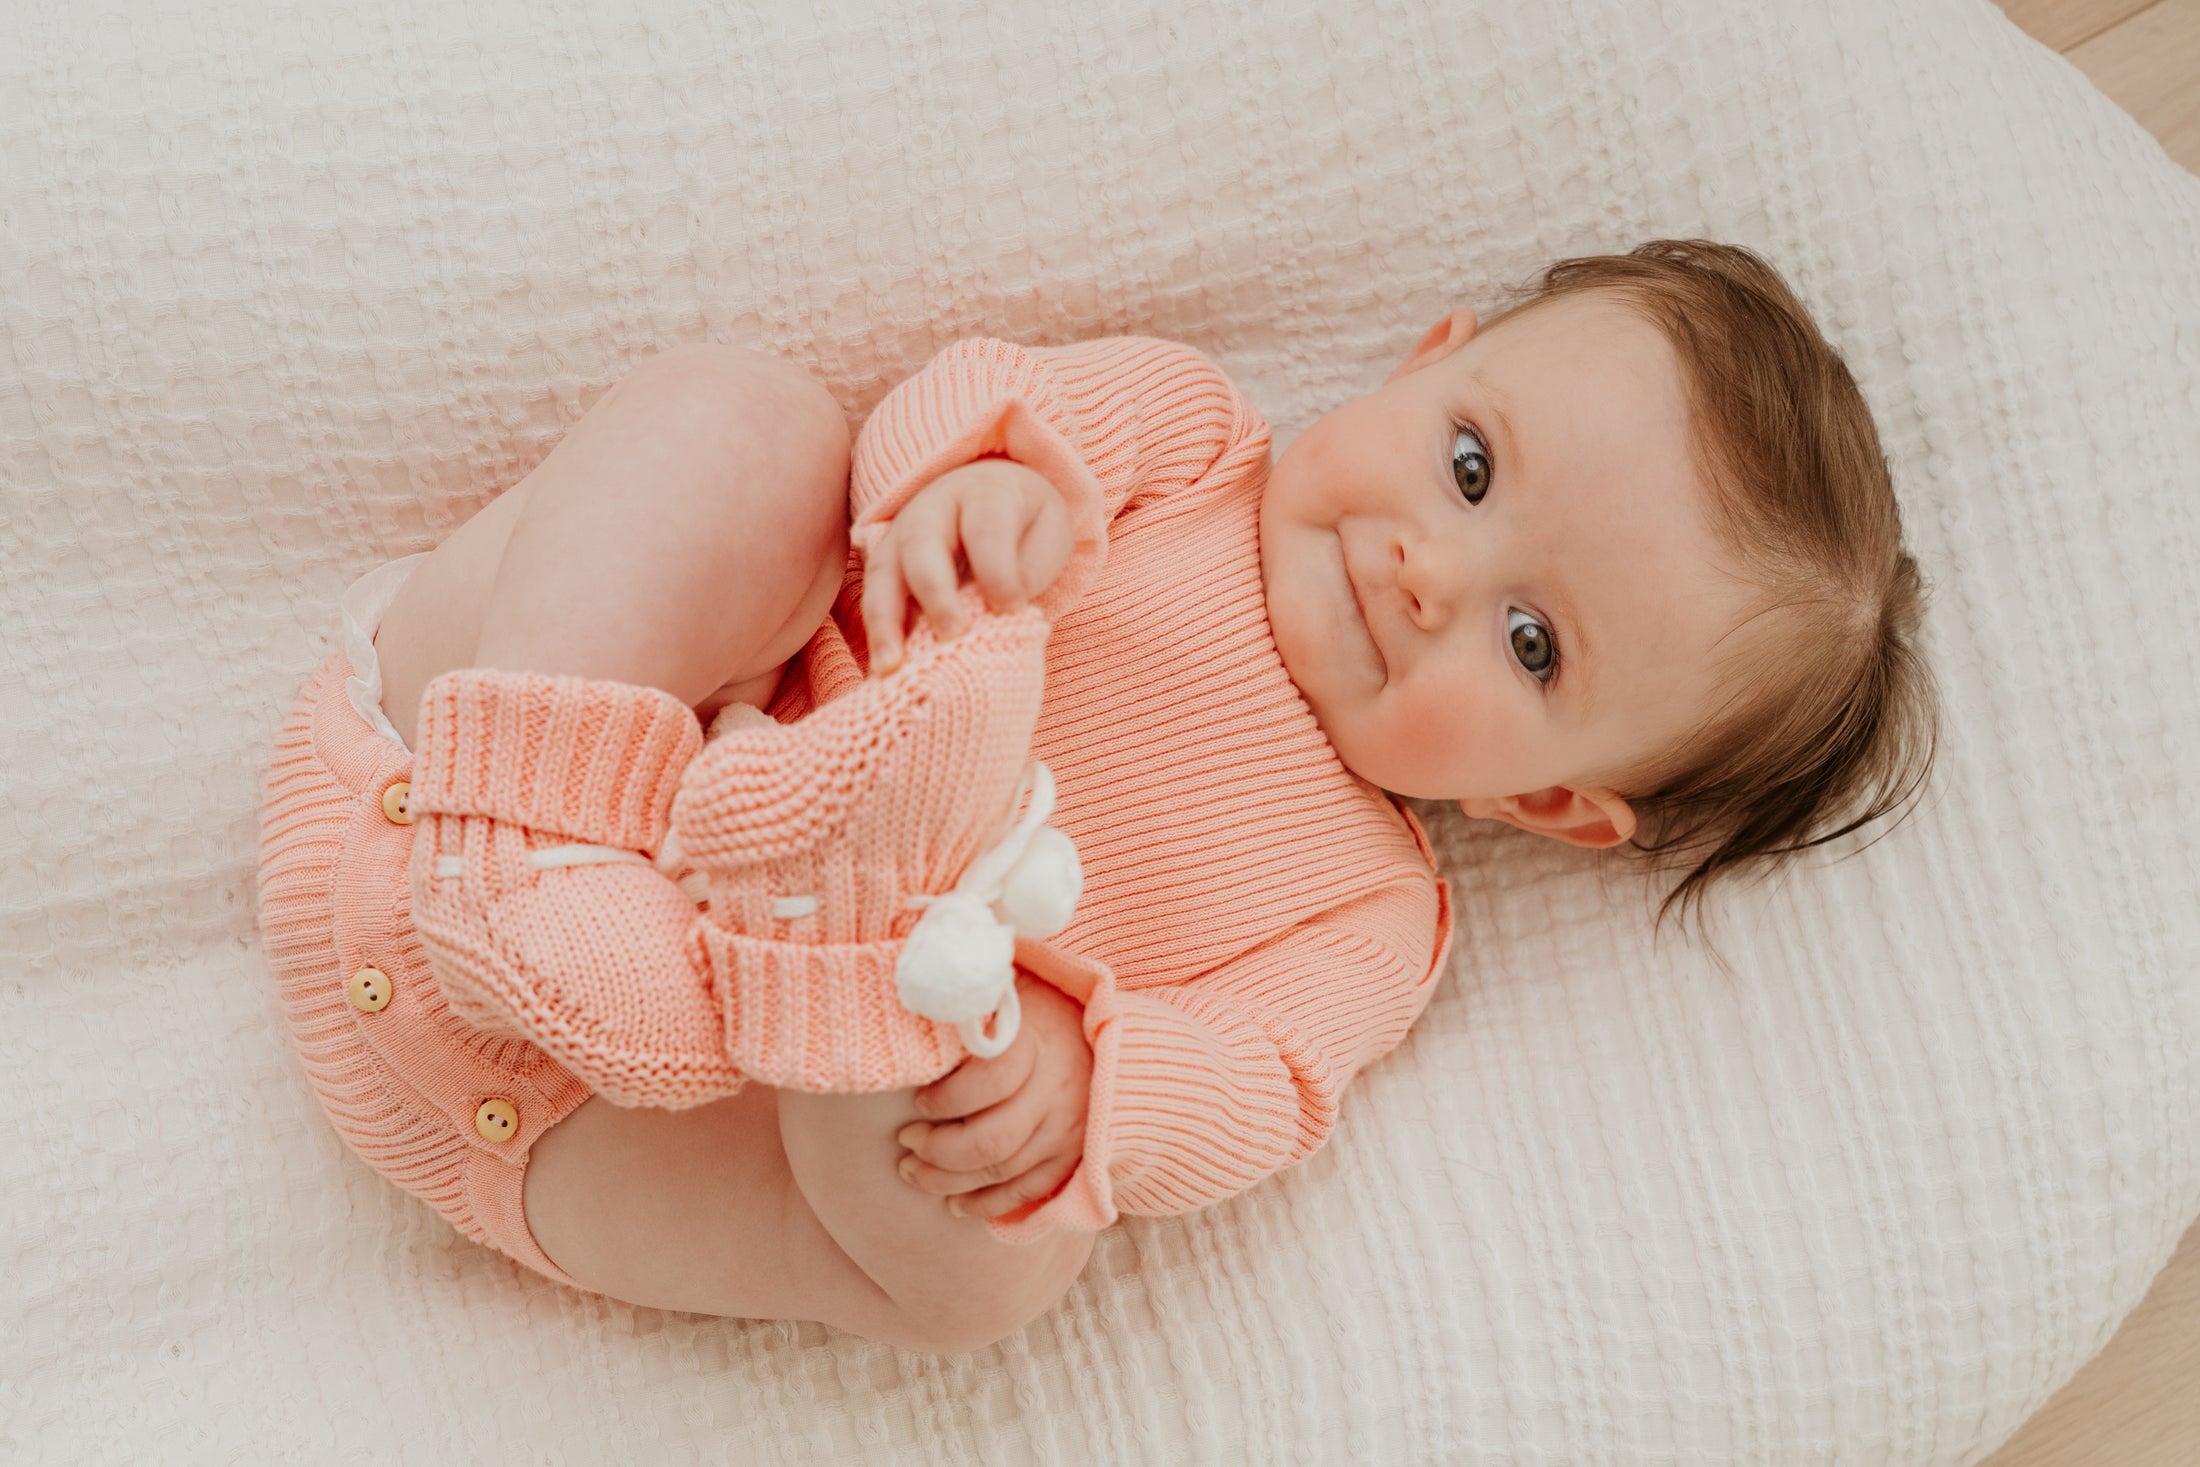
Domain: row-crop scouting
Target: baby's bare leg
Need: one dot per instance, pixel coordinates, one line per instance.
(938, 1267)
(688, 534)
(708, 486)
(612, 571)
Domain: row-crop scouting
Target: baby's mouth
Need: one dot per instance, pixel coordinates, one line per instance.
(1359, 603)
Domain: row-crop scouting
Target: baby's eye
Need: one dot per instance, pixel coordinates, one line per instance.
(1471, 468)
(1532, 644)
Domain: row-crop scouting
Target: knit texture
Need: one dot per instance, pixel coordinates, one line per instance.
(401, 1087)
(881, 795)
(584, 962)
(814, 838)
(570, 759)
(1258, 923)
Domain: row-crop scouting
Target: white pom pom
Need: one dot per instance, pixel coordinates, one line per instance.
(957, 962)
(1040, 892)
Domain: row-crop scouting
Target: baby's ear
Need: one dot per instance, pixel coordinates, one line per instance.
(1444, 338)
(1590, 817)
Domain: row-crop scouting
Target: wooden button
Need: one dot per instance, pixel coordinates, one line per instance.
(371, 990)
(393, 802)
(496, 1120)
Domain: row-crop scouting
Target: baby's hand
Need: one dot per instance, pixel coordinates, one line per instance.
(1011, 530)
(1026, 1113)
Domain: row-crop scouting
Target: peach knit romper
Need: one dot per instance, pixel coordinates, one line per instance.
(1257, 923)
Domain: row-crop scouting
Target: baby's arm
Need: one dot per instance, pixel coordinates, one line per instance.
(945, 467)
(1105, 421)
(1202, 1089)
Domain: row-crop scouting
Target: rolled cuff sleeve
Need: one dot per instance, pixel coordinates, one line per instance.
(1202, 1090)
(1100, 420)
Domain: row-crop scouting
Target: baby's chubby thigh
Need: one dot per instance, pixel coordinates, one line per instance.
(702, 1211)
(698, 1211)
(688, 533)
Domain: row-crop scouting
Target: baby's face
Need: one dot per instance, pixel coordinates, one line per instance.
(1494, 579)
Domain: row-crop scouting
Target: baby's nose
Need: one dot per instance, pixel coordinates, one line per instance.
(1427, 579)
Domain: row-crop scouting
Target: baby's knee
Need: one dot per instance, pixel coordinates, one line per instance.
(769, 421)
(1055, 1265)
(758, 392)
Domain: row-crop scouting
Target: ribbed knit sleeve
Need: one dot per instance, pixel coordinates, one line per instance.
(1103, 420)
(1202, 1089)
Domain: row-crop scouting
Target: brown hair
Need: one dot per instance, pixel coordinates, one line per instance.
(1832, 722)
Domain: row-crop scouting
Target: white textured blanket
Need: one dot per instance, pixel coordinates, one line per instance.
(293, 289)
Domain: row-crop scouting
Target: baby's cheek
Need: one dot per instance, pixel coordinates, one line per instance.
(1310, 456)
(1444, 744)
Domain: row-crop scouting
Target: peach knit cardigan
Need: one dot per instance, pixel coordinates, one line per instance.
(1257, 924)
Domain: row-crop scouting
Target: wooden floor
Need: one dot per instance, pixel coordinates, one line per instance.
(2145, 56)
(2136, 1404)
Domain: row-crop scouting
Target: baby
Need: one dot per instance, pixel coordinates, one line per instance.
(811, 1016)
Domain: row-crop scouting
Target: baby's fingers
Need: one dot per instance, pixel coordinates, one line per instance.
(988, 1147)
(990, 525)
(928, 565)
(978, 1083)
(1047, 543)
(1043, 1180)
(916, 557)
(885, 598)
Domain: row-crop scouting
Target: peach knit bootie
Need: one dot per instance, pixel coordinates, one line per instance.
(850, 865)
(865, 870)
